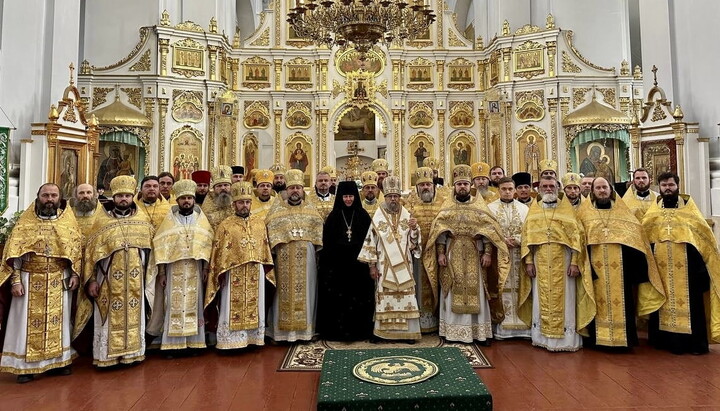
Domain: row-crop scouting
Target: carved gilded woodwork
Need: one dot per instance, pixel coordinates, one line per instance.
(462, 114)
(134, 95)
(461, 74)
(143, 64)
(579, 94)
(568, 65)
(257, 114)
(256, 73)
(420, 74)
(348, 61)
(188, 58)
(420, 114)
(529, 105)
(298, 74)
(528, 60)
(187, 106)
(298, 114)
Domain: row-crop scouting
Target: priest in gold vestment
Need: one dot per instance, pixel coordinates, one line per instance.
(392, 241)
(85, 207)
(322, 199)
(218, 204)
(424, 205)
(150, 202)
(687, 257)
(240, 265)
(295, 233)
(42, 259)
(264, 195)
(640, 197)
(556, 297)
(116, 257)
(181, 247)
(481, 182)
(510, 215)
(622, 267)
(460, 248)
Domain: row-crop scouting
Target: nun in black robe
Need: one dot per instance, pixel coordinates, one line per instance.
(346, 303)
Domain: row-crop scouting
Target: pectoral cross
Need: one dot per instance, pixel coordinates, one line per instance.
(47, 250)
(548, 232)
(668, 229)
(297, 232)
(349, 233)
(606, 231)
(125, 245)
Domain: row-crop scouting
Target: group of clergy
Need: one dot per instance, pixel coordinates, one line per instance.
(219, 260)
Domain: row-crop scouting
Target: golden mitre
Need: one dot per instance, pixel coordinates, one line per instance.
(462, 172)
(184, 188)
(264, 176)
(480, 169)
(251, 176)
(571, 179)
(423, 175)
(392, 185)
(221, 174)
(123, 185)
(379, 164)
(369, 178)
(278, 169)
(242, 190)
(431, 162)
(548, 165)
(294, 177)
(330, 170)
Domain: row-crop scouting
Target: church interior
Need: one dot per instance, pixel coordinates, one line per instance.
(93, 89)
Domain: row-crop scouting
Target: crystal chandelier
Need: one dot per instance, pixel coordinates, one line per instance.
(360, 23)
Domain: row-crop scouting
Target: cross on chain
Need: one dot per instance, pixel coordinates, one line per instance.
(606, 231)
(668, 228)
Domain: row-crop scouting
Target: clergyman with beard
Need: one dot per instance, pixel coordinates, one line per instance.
(43, 250)
(218, 204)
(392, 241)
(622, 267)
(459, 252)
(240, 269)
(279, 185)
(150, 202)
(116, 260)
(640, 197)
(555, 296)
(687, 256)
(182, 247)
(571, 188)
(85, 207)
(202, 179)
(295, 232)
(424, 204)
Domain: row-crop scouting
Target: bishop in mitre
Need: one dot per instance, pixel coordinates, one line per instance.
(462, 240)
(182, 247)
(218, 204)
(392, 241)
(371, 194)
(42, 259)
(626, 280)
(241, 264)
(424, 205)
(117, 260)
(295, 233)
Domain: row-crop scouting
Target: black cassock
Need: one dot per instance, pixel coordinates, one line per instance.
(346, 300)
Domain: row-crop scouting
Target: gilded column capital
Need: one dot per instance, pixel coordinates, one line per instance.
(235, 68)
(212, 54)
(164, 48)
(551, 52)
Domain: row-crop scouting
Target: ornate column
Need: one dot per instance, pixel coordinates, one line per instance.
(235, 67)
(552, 108)
(213, 52)
(625, 106)
(439, 23)
(211, 135)
(551, 52)
(278, 74)
(505, 53)
(564, 108)
(164, 48)
(507, 107)
(679, 129)
(396, 74)
(93, 138)
(401, 78)
(322, 140)
(482, 136)
(150, 108)
(397, 136)
(442, 141)
(441, 74)
(482, 65)
(635, 142)
(162, 109)
(278, 141)
(323, 74)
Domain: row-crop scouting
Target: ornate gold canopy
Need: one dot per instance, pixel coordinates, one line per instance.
(595, 113)
(118, 114)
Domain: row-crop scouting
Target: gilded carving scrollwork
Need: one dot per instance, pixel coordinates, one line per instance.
(569, 66)
(162, 109)
(134, 95)
(143, 64)
(144, 35)
(608, 96)
(188, 58)
(527, 29)
(420, 114)
(189, 26)
(454, 40)
(528, 60)
(579, 95)
(100, 95)
(658, 112)
(462, 114)
(263, 40)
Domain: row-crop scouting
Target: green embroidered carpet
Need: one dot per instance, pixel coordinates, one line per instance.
(308, 356)
(454, 387)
